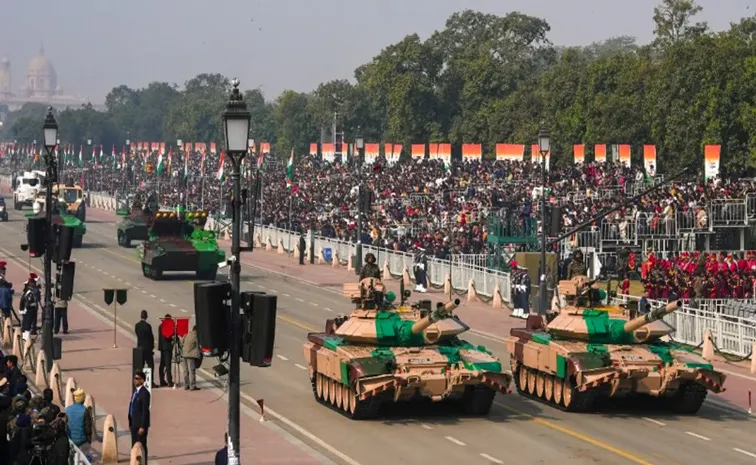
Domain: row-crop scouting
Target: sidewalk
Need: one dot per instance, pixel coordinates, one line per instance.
(187, 427)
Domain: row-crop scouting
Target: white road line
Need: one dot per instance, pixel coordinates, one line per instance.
(455, 441)
(301, 300)
(282, 357)
(285, 295)
(492, 459)
(163, 300)
(697, 436)
(300, 366)
(750, 454)
(127, 283)
(173, 305)
(184, 311)
(426, 426)
(153, 296)
(143, 291)
(656, 422)
(313, 304)
(120, 279)
(327, 309)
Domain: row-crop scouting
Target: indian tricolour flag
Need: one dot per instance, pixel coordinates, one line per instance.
(186, 165)
(81, 156)
(290, 172)
(219, 174)
(160, 163)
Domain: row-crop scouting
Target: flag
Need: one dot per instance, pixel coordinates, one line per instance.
(219, 174)
(101, 153)
(160, 164)
(260, 159)
(113, 157)
(186, 165)
(202, 164)
(81, 156)
(290, 172)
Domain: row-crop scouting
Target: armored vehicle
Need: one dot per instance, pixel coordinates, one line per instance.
(61, 217)
(176, 242)
(134, 226)
(73, 196)
(589, 351)
(383, 353)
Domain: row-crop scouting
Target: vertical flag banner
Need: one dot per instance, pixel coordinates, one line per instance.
(535, 156)
(314, 149)
(579, 151)
(265, 147)
(711, 161)
(396, 153)
(433, 151)
(625, 157)
(290, 172)
(212, 148)
(444, 153)
(649, 160)
(329, 152)
(510, 152)
(472, 152)
(219, 174)
(372, 151)
(600, 153)
(418, 151)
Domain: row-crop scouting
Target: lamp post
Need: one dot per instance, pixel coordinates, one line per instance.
(50, 129)
(544, 146)
(126, 172)
(179, 144)
(359, 142)
(236, 127)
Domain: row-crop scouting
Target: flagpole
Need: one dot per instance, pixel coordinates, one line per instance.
(291, 197)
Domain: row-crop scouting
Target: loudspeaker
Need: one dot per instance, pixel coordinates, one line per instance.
(57, 348)
(63, 244)
(137, 359)
(65, 280)
(554, 218)
(35, 236)
(212, 315)
(260, 330)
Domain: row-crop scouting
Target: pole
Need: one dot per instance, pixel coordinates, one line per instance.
(47, 329)
(542, 280)
(235, 336)
(358, 248)
(291, 196)
(202, 198)
(115, 323)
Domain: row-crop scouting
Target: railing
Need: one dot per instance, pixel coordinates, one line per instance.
(728, 213)
(76, 456)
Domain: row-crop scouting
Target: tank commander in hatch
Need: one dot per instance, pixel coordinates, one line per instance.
(370, 269)
(577, 265)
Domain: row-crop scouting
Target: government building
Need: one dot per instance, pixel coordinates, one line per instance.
(40, 86)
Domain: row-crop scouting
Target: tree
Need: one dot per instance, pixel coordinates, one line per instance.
(673, 21)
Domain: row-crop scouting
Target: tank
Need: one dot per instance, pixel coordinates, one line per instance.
(61, 217)
(384, 353)
(588, 351)
(135, 222)
(176, 242)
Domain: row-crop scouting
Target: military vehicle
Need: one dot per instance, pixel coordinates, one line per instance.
(589, 351)
(61, 217)
(73, 196)
(3, 209)
(382, 353)
(177, 242)
(134, 226)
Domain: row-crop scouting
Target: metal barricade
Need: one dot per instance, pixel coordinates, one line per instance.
(693, 219)
(751, 206)
(728, 213)
(618, 231)
(649, 225)
(76, 456)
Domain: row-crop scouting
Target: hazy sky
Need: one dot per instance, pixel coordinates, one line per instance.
(96, 45)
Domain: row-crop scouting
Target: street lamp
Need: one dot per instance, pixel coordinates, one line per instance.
(185, 182)
(359, 142)
(50, 130)
(544, 146)
(236, 128)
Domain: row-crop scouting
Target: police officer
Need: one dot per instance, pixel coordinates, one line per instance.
(6, 293)
(302, 248)
(525, 288)
(421, 270)
(61, 316)
(577, 266)
(370, 269)
(29, 306)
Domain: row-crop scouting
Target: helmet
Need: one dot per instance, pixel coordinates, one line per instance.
(577, 255)
(370, 258)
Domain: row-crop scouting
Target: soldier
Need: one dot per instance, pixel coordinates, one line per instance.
(525, 287)
(577, 266)
(29, 306)
(622, 259)
(370, 269)
(421, 269)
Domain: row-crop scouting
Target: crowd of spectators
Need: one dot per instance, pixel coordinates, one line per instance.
(442, 209)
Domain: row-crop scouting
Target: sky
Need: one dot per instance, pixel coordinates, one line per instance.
(273, 45)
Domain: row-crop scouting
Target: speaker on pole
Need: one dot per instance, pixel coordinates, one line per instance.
(35, 236)
(212, 315)
(66, 280)
(260, 330)
(555, 227)
(63, 244)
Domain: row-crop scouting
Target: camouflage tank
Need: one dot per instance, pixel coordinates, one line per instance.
(383, 353)
(63, 218)
(134, 226)
(589, 351)
(177, 242)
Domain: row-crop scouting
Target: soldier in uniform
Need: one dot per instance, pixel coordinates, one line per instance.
(525, 288)
(370, 269)
(622, 258)
(29, 306)
(577, 266)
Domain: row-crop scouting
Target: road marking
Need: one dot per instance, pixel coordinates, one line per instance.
(153, 296)
(163, 300)
(690, 433)
(455, 441)
(738, 375)
(578, 435)
(656, 422)
(173, 305)
(127, 283)
(120, 279)
(313, 304)
(327, 309)
(282, 357)
(301, 300)
(184, 311)
(750, 454)
(143, 291)
(426, 426)
(492, 459)
(300, 366)
(285, 295)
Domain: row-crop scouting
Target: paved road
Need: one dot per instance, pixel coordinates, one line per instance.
(517, 429)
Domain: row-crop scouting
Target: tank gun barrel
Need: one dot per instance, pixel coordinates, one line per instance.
(652, 316)
(441, 312)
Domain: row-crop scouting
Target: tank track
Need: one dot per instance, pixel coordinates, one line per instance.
(344, 399)
(550, 390)
(688, 399)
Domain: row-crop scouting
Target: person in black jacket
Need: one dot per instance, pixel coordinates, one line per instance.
(146, 342)
(5, 412)
(165, 346)
(139, 412)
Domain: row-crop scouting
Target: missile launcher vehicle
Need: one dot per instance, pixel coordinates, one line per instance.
(177, 242)
(385, 353)
(588, 351)
(135, 222)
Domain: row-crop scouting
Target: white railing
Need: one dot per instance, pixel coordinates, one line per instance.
(76, 456)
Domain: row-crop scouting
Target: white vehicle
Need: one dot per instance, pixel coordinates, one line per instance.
(28, 187)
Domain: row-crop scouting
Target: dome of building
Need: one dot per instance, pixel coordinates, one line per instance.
(41, 79)
(41, 66)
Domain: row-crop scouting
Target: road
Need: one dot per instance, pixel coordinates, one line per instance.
(517, 429)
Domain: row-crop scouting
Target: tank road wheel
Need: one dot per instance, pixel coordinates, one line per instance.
(574, 400)
(345, 401)
(567, 392)
(540, 381)
(688, 398)
(548, 388)
(477, 400)
(531, 381)
(332, 388)
(558, 386)
(351, 401)
(319, 386)
(522, 384)
(326, 388)
(339, 398)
